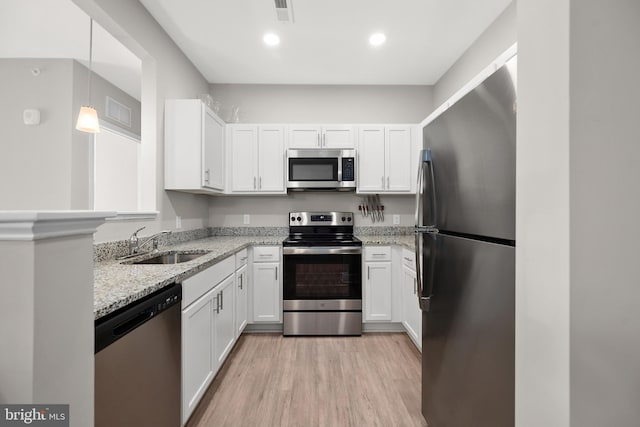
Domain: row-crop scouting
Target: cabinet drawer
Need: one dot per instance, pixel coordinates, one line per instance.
(266, 253)
(198, 285)
(377, 253)
(241, 258)
(409, 259)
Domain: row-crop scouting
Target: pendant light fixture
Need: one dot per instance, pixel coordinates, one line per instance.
(88, 117)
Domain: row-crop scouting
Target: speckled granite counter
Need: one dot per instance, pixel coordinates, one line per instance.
(117, 284)
(404, 240)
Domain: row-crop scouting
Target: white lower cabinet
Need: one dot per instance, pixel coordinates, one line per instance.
(411, 313)
(266, 279)
(198, 365)
(208, 329)
(377, 284)
(225, 330)
(412, 319)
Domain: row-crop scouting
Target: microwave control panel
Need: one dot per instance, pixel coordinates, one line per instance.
(348, 169)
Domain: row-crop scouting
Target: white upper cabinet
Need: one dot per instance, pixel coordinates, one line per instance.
(318, 136)
(271, 155)
(371, 159)
(305, 137)
(243, 147)
(194, 147)
(257, 159)
(386, 159)
(398, 150)
(337, 136)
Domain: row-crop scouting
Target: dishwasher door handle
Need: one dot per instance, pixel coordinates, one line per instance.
(130, 324)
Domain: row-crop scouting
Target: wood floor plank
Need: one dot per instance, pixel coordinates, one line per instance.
(270, 380)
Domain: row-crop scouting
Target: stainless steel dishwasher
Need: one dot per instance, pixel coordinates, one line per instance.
(137, 363)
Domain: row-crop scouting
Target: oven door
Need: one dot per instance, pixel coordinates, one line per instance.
(322, 273)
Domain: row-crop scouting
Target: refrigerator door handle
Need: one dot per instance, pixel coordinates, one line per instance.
(425, 160)
(424, 282)
(419, 193)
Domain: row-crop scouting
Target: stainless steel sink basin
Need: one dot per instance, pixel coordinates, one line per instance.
(173, 257)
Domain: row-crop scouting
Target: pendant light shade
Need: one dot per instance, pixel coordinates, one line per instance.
(88, 116)
(88, 120)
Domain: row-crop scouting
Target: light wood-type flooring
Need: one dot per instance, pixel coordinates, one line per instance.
(270, 380)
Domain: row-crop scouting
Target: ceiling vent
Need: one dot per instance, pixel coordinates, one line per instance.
(284, 11)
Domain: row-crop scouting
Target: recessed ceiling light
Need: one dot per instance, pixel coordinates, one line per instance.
(271, 39)
(377, 39)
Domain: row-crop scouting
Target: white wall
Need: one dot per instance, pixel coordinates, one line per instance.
(47, 166)
(167, 73)
(497, 38)
(35, 160)
(272, 211)
(578, 209)
(325, 104)
(605, 208)
(542, 215)
(100, 89)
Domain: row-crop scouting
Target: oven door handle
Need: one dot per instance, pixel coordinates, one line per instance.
(322, 250)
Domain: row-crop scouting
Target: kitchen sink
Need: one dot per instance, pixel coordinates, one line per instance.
(173, 257)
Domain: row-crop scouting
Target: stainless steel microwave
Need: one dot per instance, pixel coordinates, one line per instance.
(315, 169)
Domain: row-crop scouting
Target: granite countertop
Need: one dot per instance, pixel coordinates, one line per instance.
(405, 240)
(117, 284)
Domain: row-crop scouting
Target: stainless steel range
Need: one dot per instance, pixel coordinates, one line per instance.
(322, 275)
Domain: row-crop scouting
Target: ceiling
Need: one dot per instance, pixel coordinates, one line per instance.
(327, 43)
(59, 29)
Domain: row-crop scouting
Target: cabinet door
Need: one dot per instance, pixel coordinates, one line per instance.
(266, 292)
(244, 143)
(271, 159)
(412, 317)
(213, 151)
(304, 137)
(338, 137)
(198, 363)
(398, 155)
(371, 153)
(378, 291)
(241, 300)
(225, 330)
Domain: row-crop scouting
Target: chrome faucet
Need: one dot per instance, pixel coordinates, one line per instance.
(135, 244)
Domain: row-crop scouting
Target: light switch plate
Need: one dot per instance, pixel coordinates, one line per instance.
(246, 219)
(396, 219)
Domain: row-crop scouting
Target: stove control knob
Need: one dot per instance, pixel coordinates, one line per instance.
(349, 219)
(344, 219)
(293, 218)
(299, 219)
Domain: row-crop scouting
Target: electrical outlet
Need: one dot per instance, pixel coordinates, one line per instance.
(246, 219)
(178, 222)
(396, 219)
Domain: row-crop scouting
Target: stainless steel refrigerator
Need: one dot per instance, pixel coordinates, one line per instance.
(465, 255)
